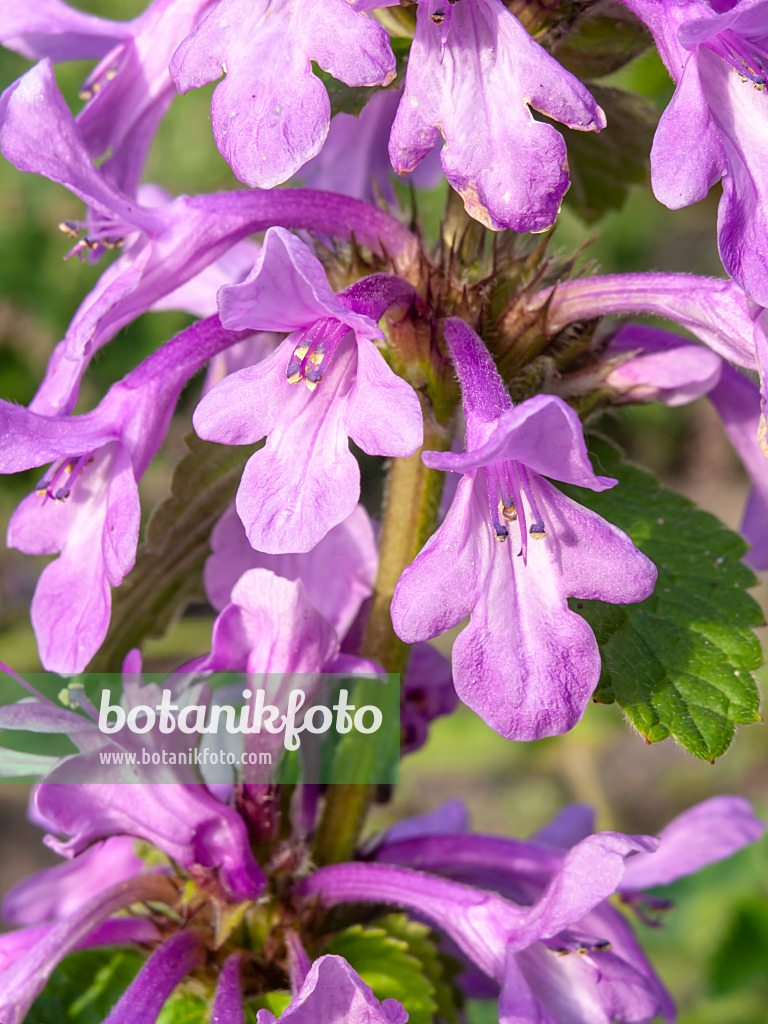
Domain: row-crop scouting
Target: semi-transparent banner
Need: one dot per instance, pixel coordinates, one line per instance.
(225, 728)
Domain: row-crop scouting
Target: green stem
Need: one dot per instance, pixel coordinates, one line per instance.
(410, 510)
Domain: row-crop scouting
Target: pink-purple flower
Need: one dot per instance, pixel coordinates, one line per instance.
(711, 131)
(510, 553)
(472, 77)
(305, 480)
(271, 113)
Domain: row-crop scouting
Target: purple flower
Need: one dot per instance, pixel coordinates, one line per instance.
(164, 247)
(355, 157)
(668, 368)
(34, 953)
(305, 481)
(471, 79)
(509, 938)
(271, 113)
(511, 551)
(271, 626)
(55, 893)
(611, 977)
(86, 506)
(185, 821)
(334, 993)
(716, 311)
(338, 573)
(130, 90)
(656, 365)
(718, 56)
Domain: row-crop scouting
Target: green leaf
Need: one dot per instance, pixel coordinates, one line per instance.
(604, 164)
(346, 99)
(169, 566)
(739, 961)
(276, 1002)
(680, 663)
(439, 969)
(184, 1009)
(605, 39)
(85, 986)
(386, 963)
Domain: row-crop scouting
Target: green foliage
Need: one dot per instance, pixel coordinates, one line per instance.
(680, 663)
(184, 1008)
(397, 958)
(739, 962)
(168, 571)
(346, 99)
(603, 165)
(85, 986)
(605, 39)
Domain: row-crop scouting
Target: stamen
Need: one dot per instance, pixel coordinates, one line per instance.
(492, 482)
(105, 71)
(537, 530)
(313, 352)
(58, 480)
(748, 59)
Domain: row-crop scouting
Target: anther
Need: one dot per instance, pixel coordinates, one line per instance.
(509, 512)
(537, 531)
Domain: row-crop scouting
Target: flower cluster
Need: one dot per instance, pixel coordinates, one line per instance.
(463, 371)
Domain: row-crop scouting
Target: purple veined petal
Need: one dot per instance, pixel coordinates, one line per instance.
(754, 532)
(482, 924)
(286, 290)
(59, 891)
(71, 606)
(128, 94)
(349, 548)
(334, 992)
(569, 826)
(198, 296)
(29, 714)
(33, 109)
(167, 966)
(269, 122)
(591, 871)
(305, 480)
(252, 349)
(450, 817)
(737, 400)
(50, 28)
(26, 977)
(702, 835)
(590, 551)
(184, 821)
(716, 311)
(28, 439)
(383, 414)
(742, 223)
(228, 999)
(486, 52)
(663, 366)
(687, 156)
(441, 586)
(270, 626)
(610, 925)
(526, 663)
(355, 159)
(592, 988)
(244, 406)
(542, 433)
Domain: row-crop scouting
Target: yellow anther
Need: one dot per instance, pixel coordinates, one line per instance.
(312, 384)
(316, 358)
(508, 512)
(295, 377)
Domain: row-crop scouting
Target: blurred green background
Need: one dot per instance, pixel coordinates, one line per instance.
(713, 949)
